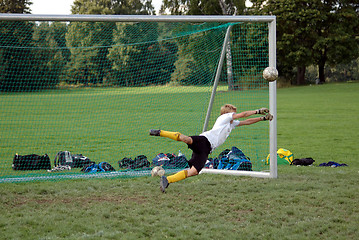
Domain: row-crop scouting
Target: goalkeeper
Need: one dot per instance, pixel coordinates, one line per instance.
(206, 142)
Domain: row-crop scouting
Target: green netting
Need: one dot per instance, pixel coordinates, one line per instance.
(96, 88)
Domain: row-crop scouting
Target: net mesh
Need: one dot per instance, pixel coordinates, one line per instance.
(96, 88)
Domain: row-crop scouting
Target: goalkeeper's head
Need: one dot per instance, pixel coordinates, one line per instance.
(228, 108)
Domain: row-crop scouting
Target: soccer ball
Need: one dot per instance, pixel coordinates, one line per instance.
(270, 74)
(157, 171)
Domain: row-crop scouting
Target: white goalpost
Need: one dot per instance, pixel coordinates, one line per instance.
(272, 105)
(247, 44)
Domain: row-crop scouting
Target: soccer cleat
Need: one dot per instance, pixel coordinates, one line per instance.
(155, 132)
(163, 183)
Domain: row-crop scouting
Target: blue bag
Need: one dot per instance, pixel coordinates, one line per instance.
(235, 160)
(101, 167)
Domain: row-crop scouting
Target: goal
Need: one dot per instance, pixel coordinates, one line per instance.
(95, 84)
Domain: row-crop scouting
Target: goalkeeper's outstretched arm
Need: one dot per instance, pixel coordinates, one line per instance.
(250, 121)
(245, 114)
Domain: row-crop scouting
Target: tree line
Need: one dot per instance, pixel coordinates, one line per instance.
(309, 33)
(321, 33)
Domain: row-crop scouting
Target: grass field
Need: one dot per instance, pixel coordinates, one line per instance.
(302, 203)
(108, 124)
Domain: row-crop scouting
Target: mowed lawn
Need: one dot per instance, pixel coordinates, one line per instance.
(108, 124)
(302, 203)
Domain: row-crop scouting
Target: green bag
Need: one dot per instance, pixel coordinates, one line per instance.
(284, 156)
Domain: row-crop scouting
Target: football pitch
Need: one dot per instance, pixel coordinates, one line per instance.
(302, 203)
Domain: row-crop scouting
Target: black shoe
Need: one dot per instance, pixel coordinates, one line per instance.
(155, 132)
(163, 183)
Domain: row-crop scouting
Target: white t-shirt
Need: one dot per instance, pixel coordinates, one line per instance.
(221, 130)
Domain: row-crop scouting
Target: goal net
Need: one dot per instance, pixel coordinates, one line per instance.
(91, 87)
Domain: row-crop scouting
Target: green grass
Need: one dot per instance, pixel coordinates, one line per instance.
(320, 121)
(103, 124)
(108, 124)
(302, 203)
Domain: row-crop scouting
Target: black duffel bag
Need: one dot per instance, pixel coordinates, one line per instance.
(31, 162)
(65, 158)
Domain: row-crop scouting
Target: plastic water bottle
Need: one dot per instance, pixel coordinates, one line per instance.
(180, 153)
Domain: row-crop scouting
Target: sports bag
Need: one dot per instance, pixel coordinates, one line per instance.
(139, 162)
(333, 164)
(73, 160)
(234, 160)
(31, 162)
(223, 159)
(178, 162)
(161, 159)
(101, 167)
(170, 160)
(125, 162)
(303, 161)
(284, 156)
(238, 160)
(212, 163)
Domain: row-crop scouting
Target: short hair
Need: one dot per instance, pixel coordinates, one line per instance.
(228, 108)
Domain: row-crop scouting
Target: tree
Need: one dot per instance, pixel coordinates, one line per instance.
(312, 32)
(113, 7)
(185, 68)
(89, 43)
(197, 7)
(15, 6)
(196, 54)
(49, 54)
(336, 37)
(138, 58)
(15, 54)
(295, 27)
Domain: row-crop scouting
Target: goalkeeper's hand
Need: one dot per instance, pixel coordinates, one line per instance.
(262, 111)
(267, 117)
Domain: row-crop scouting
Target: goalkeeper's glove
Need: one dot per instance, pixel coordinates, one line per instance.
(267, 117)
(262, 111)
